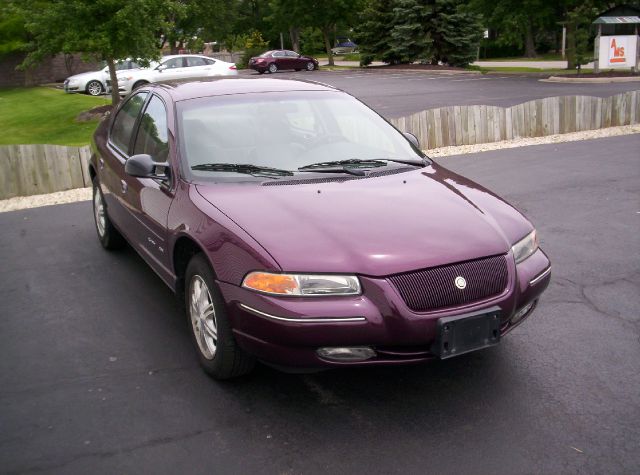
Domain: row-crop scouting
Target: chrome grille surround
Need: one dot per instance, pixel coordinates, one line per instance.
(434, 288)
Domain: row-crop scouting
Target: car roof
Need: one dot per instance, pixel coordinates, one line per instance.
(185, 90)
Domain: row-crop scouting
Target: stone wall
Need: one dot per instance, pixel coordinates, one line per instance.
(55, 69)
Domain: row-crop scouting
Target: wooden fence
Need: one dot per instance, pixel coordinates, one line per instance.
(35, 169)
(465, 125)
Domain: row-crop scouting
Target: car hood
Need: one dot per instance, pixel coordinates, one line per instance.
(86, 76)
(375, 226)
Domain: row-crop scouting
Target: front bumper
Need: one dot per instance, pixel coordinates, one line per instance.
(289, 331)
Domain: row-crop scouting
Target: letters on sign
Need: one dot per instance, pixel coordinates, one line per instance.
(616, 51)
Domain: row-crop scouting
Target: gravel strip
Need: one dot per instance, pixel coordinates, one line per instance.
(84, 194)
(524, 142)
(34, 201)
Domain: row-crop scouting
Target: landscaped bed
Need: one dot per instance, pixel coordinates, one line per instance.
(46, 115)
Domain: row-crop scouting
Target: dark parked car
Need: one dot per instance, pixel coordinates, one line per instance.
(305, 231)
(277, 60)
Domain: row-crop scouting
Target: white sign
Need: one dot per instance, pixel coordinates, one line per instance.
(618, 51)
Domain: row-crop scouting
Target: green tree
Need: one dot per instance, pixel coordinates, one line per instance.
(403, 31)
(13, 34)
(291, 16)
(410, 34)
(326, 14)
(456, 32)
(372, 32)
(105, 29)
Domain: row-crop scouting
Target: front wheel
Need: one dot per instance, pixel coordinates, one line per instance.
(108, 235)
(273, 68)
(94, 88)
(219, 354)
(311, 66)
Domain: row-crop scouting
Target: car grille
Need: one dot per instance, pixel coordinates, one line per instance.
(435, 288)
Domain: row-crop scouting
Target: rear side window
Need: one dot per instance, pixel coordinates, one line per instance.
(125, 120)
(153, 137)
(195, 61)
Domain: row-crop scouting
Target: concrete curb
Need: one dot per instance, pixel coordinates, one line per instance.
(604, 80)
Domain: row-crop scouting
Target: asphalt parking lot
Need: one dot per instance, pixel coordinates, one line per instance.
(399, 93)
(97, 374)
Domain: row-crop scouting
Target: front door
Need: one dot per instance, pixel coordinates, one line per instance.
(147, 200)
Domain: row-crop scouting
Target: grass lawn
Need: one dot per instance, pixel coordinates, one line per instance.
(541, 57)
(493, 69)
(30, 115)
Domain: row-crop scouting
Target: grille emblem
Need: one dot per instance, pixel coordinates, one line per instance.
(460, 282)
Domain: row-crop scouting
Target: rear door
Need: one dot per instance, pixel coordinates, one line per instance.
(111, 162)
(280, 59)
(198, 67)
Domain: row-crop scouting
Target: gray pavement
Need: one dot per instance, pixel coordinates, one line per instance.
(398, 93)
(97, 374)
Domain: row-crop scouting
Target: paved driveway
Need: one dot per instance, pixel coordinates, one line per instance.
(398, 93)
(97, 374)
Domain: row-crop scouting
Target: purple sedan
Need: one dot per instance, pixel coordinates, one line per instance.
(303, 230)
(276, 60)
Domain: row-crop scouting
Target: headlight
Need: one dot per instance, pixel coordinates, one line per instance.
(302, 284)
(525, 247)
(73, 81)
(124, 79)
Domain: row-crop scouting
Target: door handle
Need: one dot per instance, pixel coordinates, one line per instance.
(125, 187)
(101, 162)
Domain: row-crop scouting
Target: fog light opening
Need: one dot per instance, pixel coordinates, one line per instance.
(340, 353)
(523, 312)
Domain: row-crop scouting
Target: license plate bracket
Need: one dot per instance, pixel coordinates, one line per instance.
(461, 334)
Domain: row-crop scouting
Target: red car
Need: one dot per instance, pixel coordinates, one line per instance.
(278, 59)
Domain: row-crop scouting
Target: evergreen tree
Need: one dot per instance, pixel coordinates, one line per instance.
(456, 32)
(411, 34)
(372, 32)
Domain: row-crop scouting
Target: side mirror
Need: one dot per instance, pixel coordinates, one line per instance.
(161, 67)
(143, 166)
(412, 138)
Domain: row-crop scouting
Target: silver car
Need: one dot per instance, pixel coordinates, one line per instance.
(172, 67)
(94, 83)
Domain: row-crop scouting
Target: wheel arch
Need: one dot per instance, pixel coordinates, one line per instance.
(184, 249)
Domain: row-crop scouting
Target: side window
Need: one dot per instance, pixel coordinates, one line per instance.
(291, 54)
(195, 61)
(174, 63)
(133, 65)
(210, 61)
(153, 137)
(125, 120)
(278, 54)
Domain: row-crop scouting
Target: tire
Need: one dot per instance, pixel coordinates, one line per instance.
(138, 84)
(310, 66)
(273, 68)
(108, 235)
(218, 353)
(94, 88)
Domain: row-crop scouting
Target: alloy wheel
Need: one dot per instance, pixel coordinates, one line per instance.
(98, 211)
(203, 317)
(94, 88)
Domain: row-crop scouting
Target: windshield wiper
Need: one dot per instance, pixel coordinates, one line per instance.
(245, 168)
(348, 166)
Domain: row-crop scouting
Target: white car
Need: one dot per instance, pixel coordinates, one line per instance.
(94, 83)
(175, 67)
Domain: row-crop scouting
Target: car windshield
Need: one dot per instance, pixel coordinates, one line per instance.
(285, 131)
